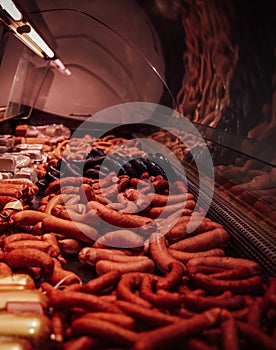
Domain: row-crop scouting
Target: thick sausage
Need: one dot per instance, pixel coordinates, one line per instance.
(184, 257)
(121, 239)
(28, 217)
(71, 229)
(113, 217)
(217, 238)
(30, 257)
(144, 265)
(93, 255)
(159, 252)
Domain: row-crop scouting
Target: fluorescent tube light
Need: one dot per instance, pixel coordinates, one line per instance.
(36, 38)
(12, 10)
(57, 63)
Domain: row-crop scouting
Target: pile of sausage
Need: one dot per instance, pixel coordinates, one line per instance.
(147, 290)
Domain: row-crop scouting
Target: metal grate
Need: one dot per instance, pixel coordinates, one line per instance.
(248, 238)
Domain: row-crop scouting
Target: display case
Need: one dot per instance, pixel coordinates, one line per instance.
(138, 183)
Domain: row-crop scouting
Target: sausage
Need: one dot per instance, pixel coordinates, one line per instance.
(57, 199)
(23, 244)
(71, 299)
(166, 300)
(173, 277)
(165, 211)
(58, 319)
(159, 252)
(99, 284)
(117, 319)
(93, 255)
(199, 303)
(123, 220)
(126, 288)
(71, 229)
(255, 337)
(52, 240)
(84, 342)
(104, 330)
(67, 181)
(69, 246)
(27, 217)
(255, 313)
(60, 275)
(89, 218)
(5, 269)
(247, 285)
(270, 291)
(180, 187)
(149, 318)
(160, 200)
(184, 257)
(191, 227)
(226, 263)
(237, 273)
(197, 344)
(229, 331)
(30, 257)
(169, 336)
(217, 238)
(144, 265)
(18, 237)
(121, 239)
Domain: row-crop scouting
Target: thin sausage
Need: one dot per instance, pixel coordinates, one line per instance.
(226, 263)
(199, 303)
(255, 337)
(229, 331)
(126, 288)
(173, 278)
(99, 284)
(63, 299)
(149, 318)
(247, 285)
(169, 336)
(116, 335)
